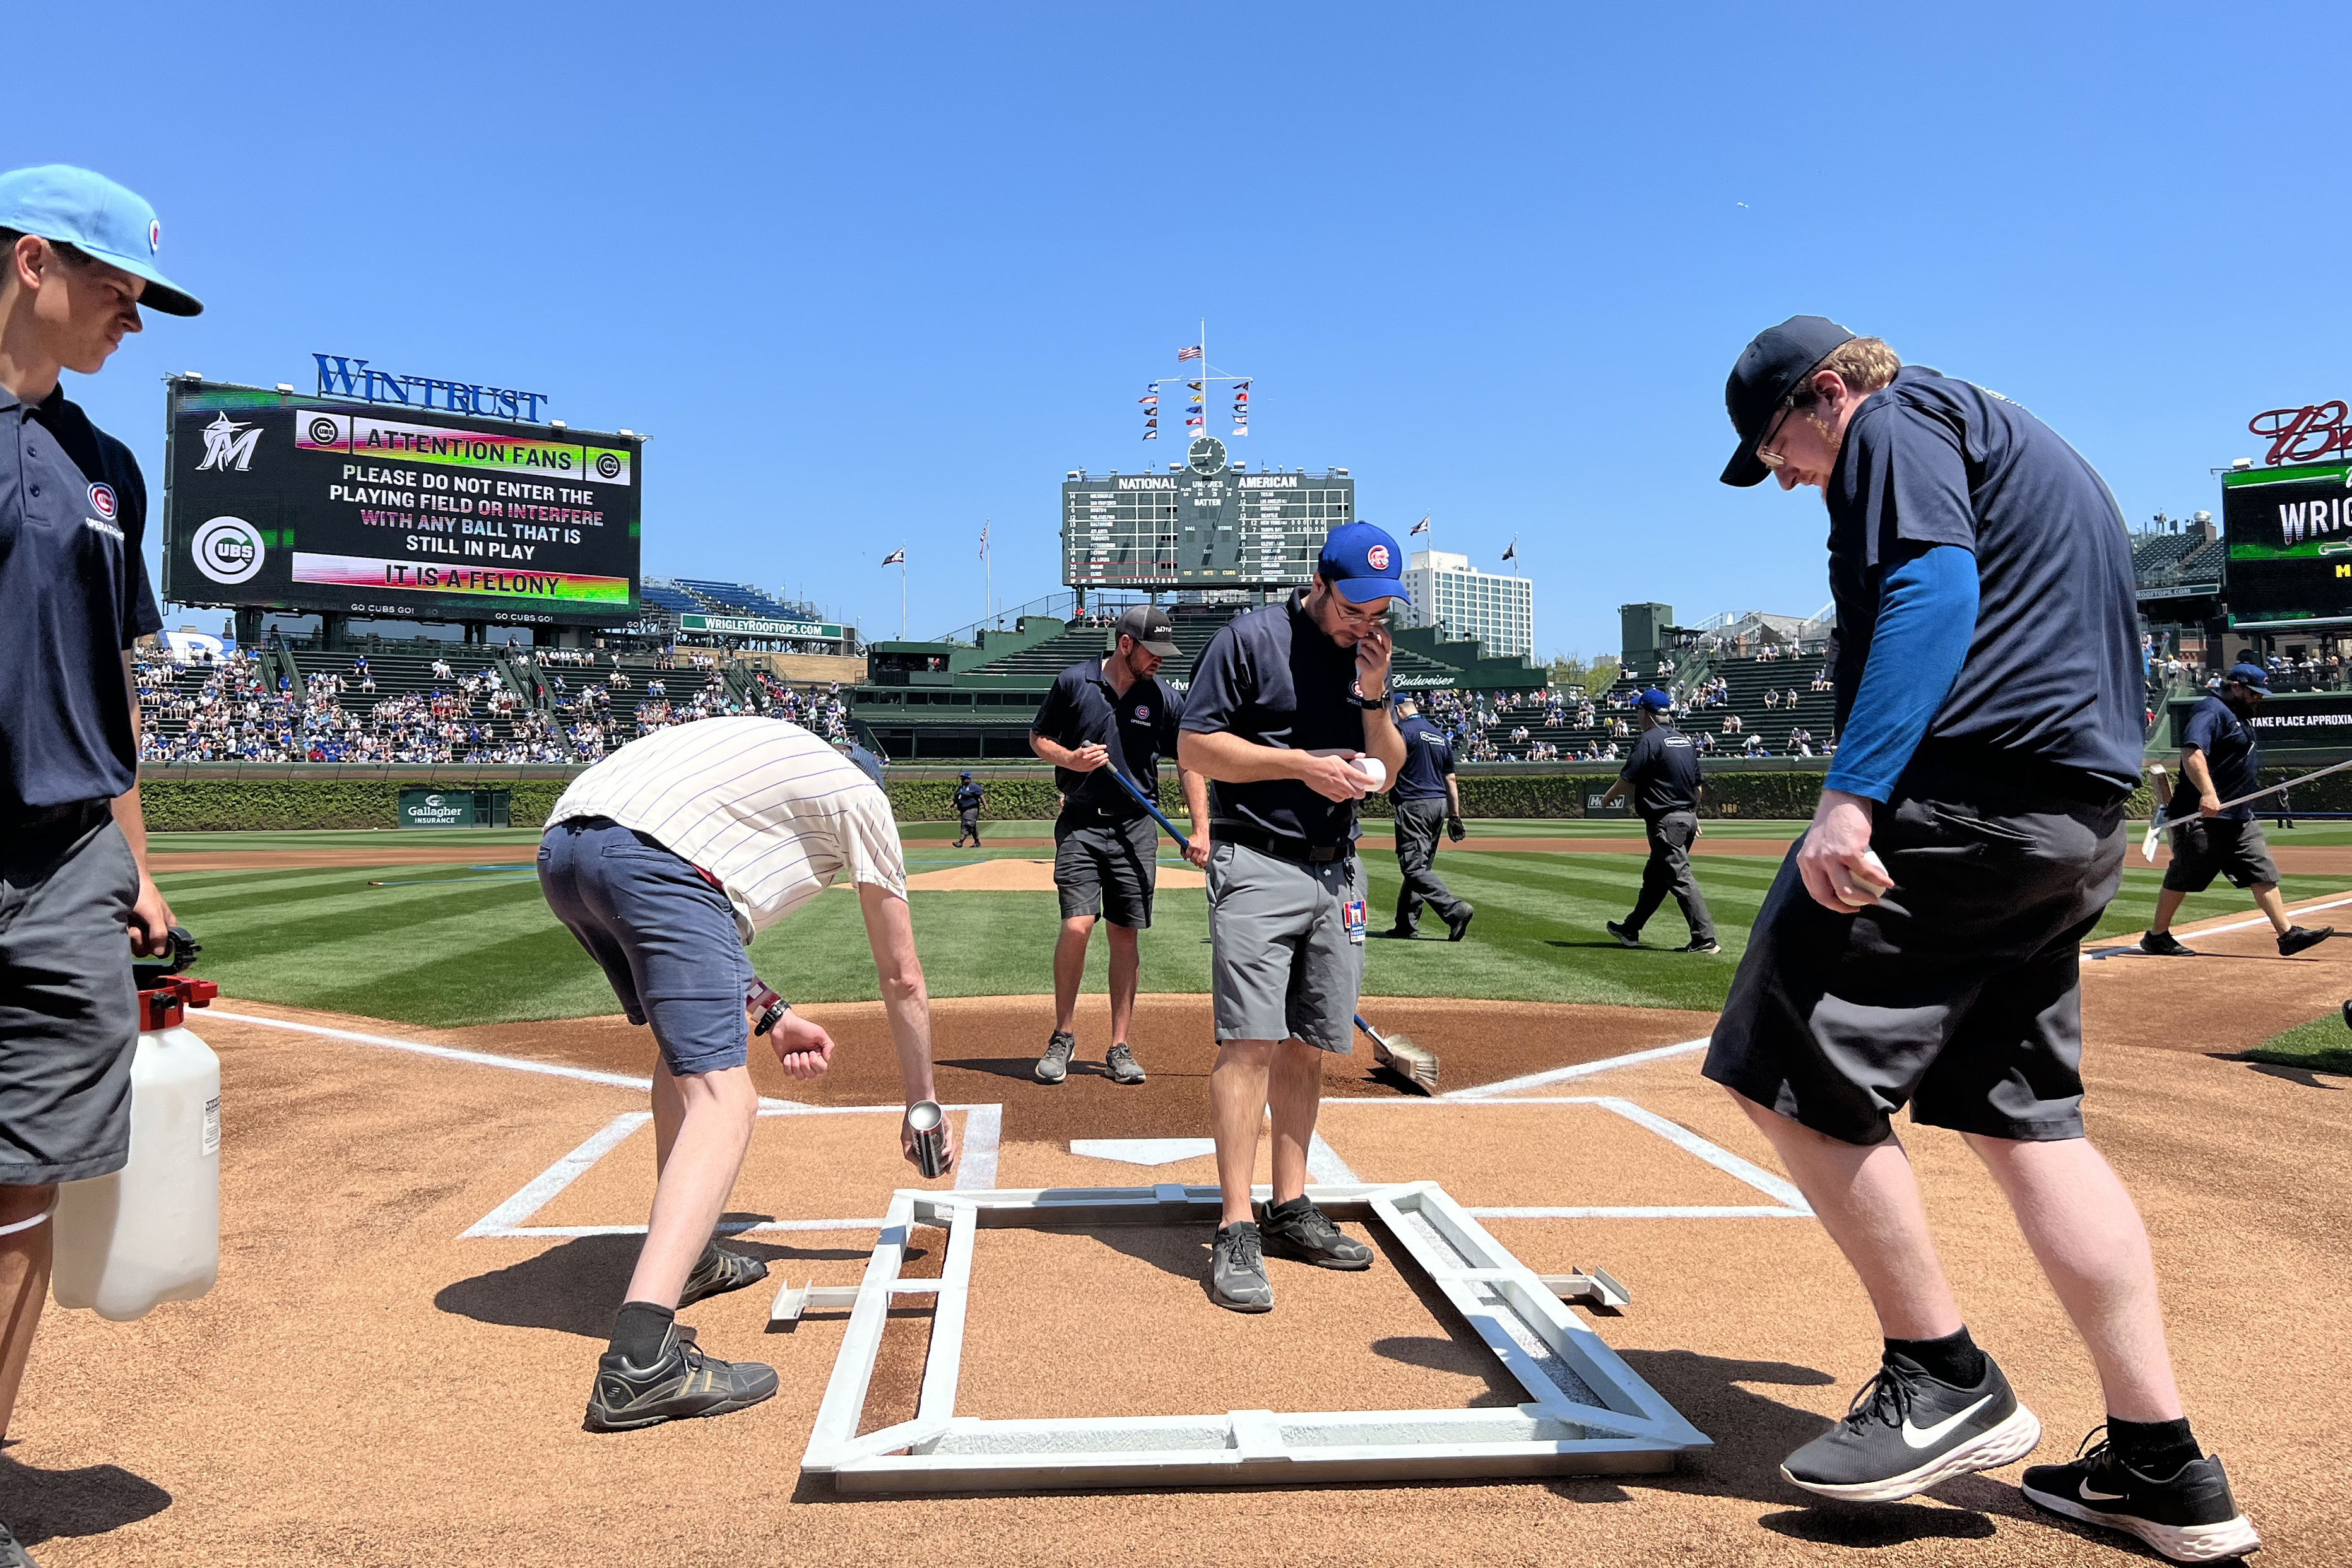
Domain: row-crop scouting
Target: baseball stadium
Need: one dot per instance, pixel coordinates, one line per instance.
(1508, 1101)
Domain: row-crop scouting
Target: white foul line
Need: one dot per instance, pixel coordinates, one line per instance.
(472, 1058)
(1581, 1070)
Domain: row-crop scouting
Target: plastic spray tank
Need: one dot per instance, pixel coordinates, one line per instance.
(150, 1231)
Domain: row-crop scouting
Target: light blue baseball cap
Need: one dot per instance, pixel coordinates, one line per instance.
(96, 218)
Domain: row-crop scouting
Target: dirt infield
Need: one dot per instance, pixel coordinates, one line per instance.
(369, 1385)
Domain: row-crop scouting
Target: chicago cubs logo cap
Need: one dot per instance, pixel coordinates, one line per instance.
(1150, 626)
(96, 218)
(1361, 563)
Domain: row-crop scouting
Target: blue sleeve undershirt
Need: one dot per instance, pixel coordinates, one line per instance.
(1926, 619)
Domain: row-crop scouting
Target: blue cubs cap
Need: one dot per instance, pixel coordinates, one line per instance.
(1361, 562)
(1656, 701)
(96, 218)
(967, 777)
(2253, 676)
(1767, 371)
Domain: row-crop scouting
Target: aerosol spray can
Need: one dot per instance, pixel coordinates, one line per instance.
(929, 1124)
(769, 1006)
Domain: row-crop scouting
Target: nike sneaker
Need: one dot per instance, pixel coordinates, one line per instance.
(1299, 1229)
(1055, 1065)
(1908, 1430)
(1237, 1279)
(2189, 1517)
(2298, 938)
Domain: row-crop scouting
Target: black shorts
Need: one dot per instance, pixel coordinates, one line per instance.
(2219, 846)
(1961, 993)
(1106, 868)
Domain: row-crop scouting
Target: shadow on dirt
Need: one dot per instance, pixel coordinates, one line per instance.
(573, 1288)
(47, 1505)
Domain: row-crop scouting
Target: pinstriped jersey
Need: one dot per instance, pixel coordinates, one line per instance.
(768, 811)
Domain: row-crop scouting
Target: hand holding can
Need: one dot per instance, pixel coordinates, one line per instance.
(927, 1138)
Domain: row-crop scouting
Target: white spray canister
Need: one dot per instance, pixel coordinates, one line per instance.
(150, 1231)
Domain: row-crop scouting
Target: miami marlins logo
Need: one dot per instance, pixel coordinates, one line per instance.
(226, 448)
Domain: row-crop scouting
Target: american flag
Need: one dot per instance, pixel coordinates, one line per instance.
(1420, 527)
(1192, 353)
(896, 557)
(983, 541)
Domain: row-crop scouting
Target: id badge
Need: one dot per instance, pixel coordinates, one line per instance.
(1351, 915)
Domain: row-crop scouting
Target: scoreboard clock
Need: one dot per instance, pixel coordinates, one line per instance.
(1203, 523)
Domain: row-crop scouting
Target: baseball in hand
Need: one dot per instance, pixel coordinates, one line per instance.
(1375, 774)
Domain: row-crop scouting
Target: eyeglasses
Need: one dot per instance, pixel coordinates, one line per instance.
(1764, 452)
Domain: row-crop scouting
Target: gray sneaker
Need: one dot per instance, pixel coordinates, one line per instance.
(13, 1555)
(1055, 1065)
(1122, 1064)
(684, 1383)
(1299, 1229)
(1237, 1279)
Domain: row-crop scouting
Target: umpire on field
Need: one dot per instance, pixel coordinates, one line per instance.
(968, 797)
(1424, 797)
(1922, 942)
(1662, 777)
(76, 260)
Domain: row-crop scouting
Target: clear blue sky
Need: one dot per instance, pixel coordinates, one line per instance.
(870, 275)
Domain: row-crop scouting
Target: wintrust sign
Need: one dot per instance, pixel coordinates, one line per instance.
(342, 376)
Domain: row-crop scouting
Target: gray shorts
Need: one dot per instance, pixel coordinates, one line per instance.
(2207, 847)
(1286, 954)
(1106, 868)
(68, 1011)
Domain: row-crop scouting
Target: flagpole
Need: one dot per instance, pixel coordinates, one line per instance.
(987, 574)
(902, 593)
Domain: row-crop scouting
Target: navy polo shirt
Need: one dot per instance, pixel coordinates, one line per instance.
(73, 512)
(1662, 772)
(1137, 730)
(2232, 757)
(1428, 757)
(2053, 685)
(1275, 677)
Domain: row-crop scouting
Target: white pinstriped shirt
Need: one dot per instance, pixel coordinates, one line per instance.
(769, 810)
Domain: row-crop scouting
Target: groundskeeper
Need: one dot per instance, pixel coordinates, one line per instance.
(1105, 714)
(1662, 777)
(664, 860)
(969, 796)
(77, 261)
(1424, 796)
(2220, 759)
(1921, 943)
(1282, 698)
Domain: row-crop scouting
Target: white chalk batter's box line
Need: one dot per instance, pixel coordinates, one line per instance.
(983, 1129)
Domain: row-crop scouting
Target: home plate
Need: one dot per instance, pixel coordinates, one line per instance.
(1144, 1151)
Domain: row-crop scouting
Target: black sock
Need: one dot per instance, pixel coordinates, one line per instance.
(640, 1329)
(1954, 1358)
(2157, 1448)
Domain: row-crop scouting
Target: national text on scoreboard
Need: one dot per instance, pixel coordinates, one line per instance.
(1201, 524)
(309, 504)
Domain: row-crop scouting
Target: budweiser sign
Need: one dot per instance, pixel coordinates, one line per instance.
(2304, 434)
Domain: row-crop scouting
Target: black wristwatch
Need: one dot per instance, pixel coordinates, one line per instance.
(1368, 703)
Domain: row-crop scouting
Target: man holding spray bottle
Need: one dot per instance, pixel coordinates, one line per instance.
(664, 860)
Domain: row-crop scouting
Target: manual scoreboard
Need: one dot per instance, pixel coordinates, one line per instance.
(1203, 523)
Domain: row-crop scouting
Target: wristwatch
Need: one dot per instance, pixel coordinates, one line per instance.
(1368, 703)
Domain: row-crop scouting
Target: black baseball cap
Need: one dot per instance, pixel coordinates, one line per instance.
(1768, 370)
(1148, 624)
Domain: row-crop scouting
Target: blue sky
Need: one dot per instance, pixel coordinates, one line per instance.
(871, 276)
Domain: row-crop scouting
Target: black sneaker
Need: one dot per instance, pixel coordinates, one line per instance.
(13, 1555)
(1299, 1229)
(2164, 945)
(1625, 939)
(1701, 945)
(1055, 1065)
(2298, 938)
(1124, 1068)
(1237, 1279)
(684, 1383)
(717, 1271)
(1907, 1431)
(1457, 929)
(2189, 1517)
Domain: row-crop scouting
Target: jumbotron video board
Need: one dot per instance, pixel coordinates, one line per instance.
(1204, 524)
(306, 503)
(2290, 535)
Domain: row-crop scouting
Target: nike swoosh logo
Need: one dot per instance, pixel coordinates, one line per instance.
(1914, 1437)
(2087, 1495)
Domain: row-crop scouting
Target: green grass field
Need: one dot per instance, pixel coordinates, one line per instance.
(464, 943)
(2324, 1045)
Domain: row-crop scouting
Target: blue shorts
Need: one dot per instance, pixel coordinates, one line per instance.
(664, 936)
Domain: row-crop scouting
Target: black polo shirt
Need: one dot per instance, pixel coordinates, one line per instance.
(1662, 773)
(1428, 757)
(2053, 682)
(1137, 729)
(1273, 677)
(73, 596)
(2232, 758)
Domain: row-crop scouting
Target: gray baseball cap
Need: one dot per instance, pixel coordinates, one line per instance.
(1148, 626)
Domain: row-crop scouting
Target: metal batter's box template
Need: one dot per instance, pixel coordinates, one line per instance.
(1586, 1412)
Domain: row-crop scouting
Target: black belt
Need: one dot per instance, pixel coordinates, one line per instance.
(1282, 848)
